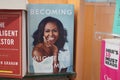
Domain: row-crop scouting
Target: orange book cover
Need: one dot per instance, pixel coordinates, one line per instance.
(12, 28)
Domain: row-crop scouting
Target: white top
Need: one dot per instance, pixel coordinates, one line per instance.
(46, 66)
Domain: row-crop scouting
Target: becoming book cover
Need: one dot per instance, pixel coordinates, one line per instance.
(50, 38)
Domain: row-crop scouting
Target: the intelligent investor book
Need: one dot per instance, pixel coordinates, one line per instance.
(50, 38)
(12, 43)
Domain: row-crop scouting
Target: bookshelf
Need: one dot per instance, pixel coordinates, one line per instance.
(90, 56)
(58, 76)
(98, 17)
(84, 16)
(66, 76)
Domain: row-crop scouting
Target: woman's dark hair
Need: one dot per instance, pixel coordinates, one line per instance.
(38, 34)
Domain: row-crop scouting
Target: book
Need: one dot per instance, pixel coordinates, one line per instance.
(13, 38)
(50, 38)
(12, 43)
(116, 23)
(110, 59)
(16, 4)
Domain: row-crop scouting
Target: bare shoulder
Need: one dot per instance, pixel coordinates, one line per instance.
(36, 50)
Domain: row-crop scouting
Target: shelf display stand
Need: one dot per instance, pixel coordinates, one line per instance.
(58, 76)
(106, 41)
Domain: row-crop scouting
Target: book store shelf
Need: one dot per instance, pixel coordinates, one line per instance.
(77, 68)
(58, 76)
(105, 36)
(98, 24)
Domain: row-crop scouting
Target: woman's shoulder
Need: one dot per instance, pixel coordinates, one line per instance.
(36, 50)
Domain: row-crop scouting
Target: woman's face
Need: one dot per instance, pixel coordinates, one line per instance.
(51, 32)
